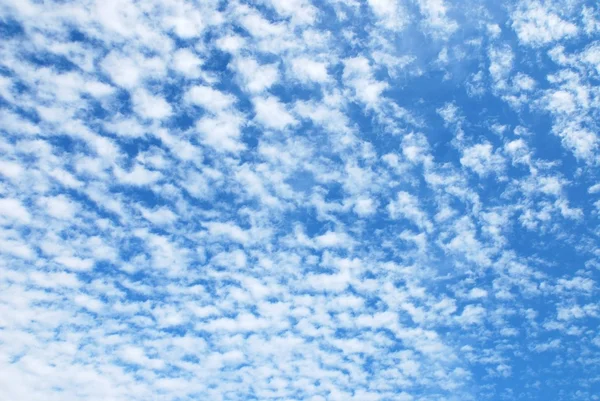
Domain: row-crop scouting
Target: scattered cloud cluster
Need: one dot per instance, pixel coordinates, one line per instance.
(299, 200)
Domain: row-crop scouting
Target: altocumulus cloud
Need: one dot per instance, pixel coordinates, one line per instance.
(382, 200)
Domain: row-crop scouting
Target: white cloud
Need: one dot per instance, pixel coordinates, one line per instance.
(209, 98)
(550, 345)
(482, 159)
(14, 123)
(228, 230)
(123, 71)
(256, 78)
(231, 43)
(222, 132)
(89, 303)
(151, 106)
(187, 63)
(358, 75)
(391, 14)
(536, 25)
(477, 293)
(129, 71)
(75, 263)
(524, 82)
(580, 140)
(307, 70)
(271, 113)
(365, 207)
(59, 207)
(234, 259)
(13, 210)
(501, 64)
(264, 231)
(300, 11)
(10, 169)
(407, 206)
(436, 19)
(562, 102)
(159, 216)
(137, 355)
(471, 314)
(594, 189)
(187, 21)
(139, 176)
(332, 239)
(327, 116)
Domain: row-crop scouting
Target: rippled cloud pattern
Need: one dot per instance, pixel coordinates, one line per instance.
(341, 200)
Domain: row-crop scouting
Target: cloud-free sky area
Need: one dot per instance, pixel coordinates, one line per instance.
(299, 200)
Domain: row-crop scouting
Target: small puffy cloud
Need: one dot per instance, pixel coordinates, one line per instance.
(403, 396)
(222, 132)
(16, 248)
(390, 13)
(519, 151)
(477, 293)
(436, 19)
(271, 113)
(358, 75)
(123, 71)
(17, 124)
(98, 89)
(89, 303)
(501, 64)
(126, 127)
(450, 114)
(407, 206)
(255, 77)
(242, 323)
(591, 20)
(59, 207)
(187, 63)
(576, 284)
(159, 216)
(550, 345)
(166, 254)
(231, 43)
(137, 356)
(327, 116)
(130, 70)
(14, 211)
(537, 25)
(365, 207)
(228, 230)
(75, 263)
(472, 314)
(187, 22)
(151, 106)
(580, 140)
(307, 70)
(11, 169)
(300, 11)
(573, 312)
(138, 176)
(329, 282)
(209, 98)
(234, 259)
(524, 82)
(482, 160)
(561, 101)
(594, 189)
(333, 239)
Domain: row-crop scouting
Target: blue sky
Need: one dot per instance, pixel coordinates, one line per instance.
(305, 200)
